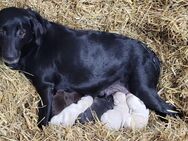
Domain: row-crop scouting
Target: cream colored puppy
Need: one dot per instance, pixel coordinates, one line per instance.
(128, 112)
(69, 115)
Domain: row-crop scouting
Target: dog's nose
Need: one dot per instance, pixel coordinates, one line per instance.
(10, 58)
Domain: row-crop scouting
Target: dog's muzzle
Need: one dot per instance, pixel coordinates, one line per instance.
(10, 62)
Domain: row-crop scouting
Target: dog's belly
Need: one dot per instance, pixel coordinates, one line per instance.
(95, 83)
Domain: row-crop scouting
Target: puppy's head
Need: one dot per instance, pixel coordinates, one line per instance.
(63, 99)
(18, 28)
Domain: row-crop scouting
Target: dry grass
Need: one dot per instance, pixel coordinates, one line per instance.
(162, 24)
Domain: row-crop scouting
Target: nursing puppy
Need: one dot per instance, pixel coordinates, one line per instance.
(68, 106)
(99, 105)
(78, 60)
(129, 111)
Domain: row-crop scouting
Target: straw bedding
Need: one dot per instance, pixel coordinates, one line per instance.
(162, 24)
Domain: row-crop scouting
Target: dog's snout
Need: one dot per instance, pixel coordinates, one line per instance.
(11, 58)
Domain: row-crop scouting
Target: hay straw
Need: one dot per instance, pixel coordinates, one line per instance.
(162, 24)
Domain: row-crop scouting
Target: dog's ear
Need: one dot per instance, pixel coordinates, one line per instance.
(38, 25)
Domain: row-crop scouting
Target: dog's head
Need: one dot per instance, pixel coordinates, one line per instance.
(18, 28)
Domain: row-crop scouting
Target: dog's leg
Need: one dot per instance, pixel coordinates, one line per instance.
(45, 106)
(143, 84)
(152, 101)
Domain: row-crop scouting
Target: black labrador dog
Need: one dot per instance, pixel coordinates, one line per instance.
(83, 61)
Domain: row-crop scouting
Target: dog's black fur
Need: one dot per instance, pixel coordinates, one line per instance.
(77, 60)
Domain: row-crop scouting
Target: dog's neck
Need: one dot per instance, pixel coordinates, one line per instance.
(27, 51)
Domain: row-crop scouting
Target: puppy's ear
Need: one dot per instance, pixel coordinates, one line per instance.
(38, 24)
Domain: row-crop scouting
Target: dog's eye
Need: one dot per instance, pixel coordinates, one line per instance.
(21, 33)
